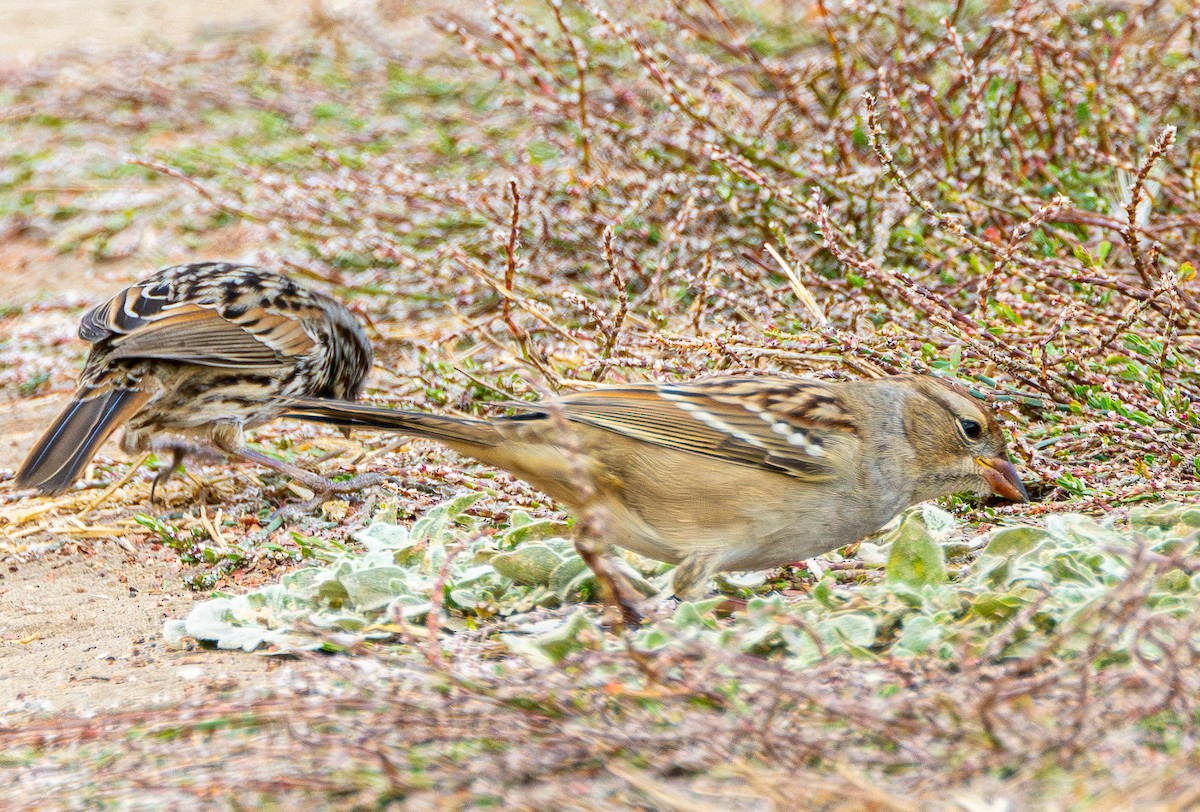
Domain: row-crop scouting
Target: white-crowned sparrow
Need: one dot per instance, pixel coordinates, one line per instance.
(732, 473)
(189, 358)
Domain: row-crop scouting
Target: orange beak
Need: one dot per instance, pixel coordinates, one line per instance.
(1001, 475)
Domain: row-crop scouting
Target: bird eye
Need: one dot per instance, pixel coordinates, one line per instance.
(971, 428)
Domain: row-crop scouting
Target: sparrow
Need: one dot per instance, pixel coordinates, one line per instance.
(731, 472)
(190, 358)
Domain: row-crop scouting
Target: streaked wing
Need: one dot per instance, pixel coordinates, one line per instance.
(141, 323)
(780, 424)
(130, 309)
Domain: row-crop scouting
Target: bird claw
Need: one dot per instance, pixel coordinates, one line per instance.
(630, 604)
(321, 494)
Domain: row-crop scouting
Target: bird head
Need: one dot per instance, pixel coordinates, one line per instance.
(959, 444)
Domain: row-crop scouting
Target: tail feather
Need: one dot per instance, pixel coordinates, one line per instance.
(442, 428)
(69, 444)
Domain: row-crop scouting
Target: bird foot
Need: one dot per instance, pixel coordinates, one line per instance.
(629, 606)
(322, 490)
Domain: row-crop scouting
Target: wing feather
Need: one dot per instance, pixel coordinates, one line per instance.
(142, 322)
(782, 424)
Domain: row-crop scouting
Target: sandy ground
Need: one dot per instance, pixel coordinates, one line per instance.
(80, 618)
(32, 27)
(81, 633)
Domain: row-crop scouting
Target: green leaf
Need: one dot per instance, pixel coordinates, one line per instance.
(696, 614)
(855, 628)
(565, 574)
(1014, 540)
(370, 589)
(529, 564)
(916, 559)
(578, 633)
(919, 634)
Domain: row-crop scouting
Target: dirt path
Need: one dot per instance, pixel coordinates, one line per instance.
(32, 27)
(80, 632)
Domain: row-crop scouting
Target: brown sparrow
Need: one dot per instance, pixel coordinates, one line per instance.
(191, 357)
(732, 473)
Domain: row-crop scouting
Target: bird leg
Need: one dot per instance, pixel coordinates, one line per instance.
(166, 472)
(615, 589)
(691, 578)
(319, 485)
(179, 450)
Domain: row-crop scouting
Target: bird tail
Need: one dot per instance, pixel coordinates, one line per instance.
(68, 446)
(454, 431)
